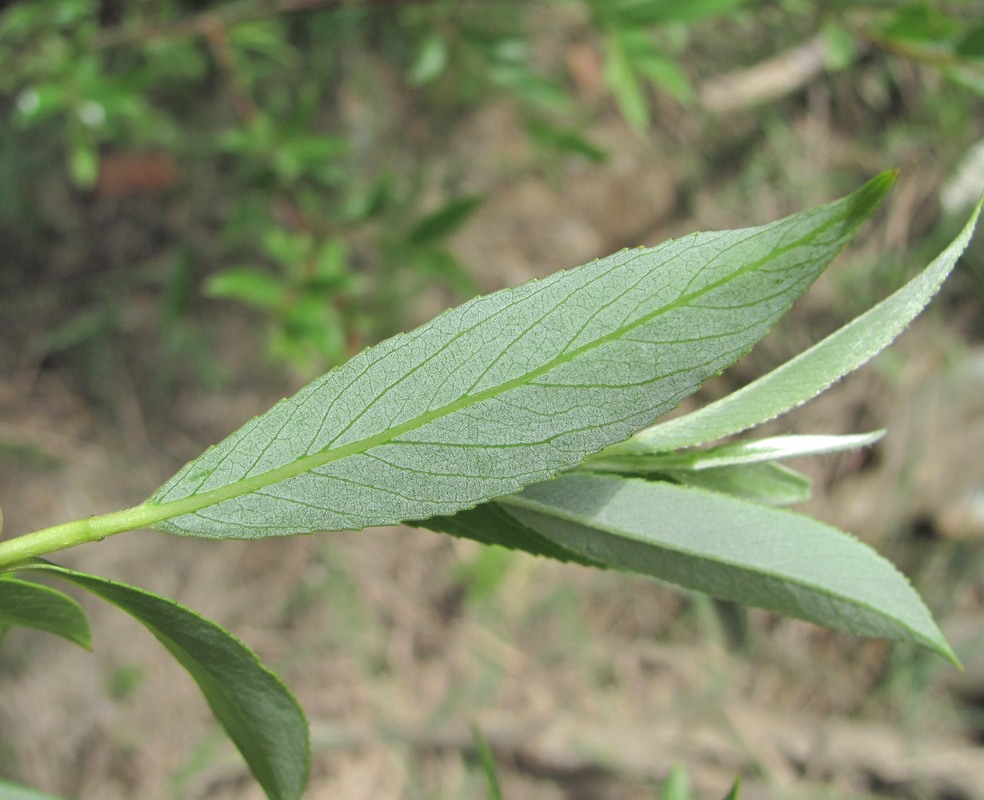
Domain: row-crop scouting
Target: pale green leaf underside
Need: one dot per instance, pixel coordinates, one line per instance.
(253, 706)
(729, 548)
(510, 388)
(812, 371)
(31, 605)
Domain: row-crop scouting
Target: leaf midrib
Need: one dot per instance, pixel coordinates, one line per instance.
(197, 501)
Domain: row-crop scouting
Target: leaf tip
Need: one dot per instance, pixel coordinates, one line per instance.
(937, 642)
(866, 199)
(943, 648)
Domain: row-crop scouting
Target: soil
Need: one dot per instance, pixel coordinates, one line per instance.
(586, 684)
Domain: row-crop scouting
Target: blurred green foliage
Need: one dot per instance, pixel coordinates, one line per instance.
(321, 229)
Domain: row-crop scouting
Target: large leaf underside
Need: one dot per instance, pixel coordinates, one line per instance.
(510, 388)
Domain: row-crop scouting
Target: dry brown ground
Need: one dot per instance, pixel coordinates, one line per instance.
(587, 684)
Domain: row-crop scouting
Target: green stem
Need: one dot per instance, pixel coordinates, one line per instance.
(80, 531)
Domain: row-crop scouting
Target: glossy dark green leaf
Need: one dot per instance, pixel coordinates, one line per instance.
(32, 605)
(252, 704)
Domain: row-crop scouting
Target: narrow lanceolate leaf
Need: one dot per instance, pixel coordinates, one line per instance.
(254, 707)
(812, 371)
(31, 605)
(731, 549)
(508, 389)
(731, 454)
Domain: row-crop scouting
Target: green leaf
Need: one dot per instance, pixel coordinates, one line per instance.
(491, 524)
(246, 285)
(813, 370)
(735, 790)
(487, 761)
(919, 22)
(741, 469)
(530, 87)
(677, 785)
(639, 13)
(768, 483)
(31, 605)
(841, 45)
(254, 707)
(445, 221)
(437, 264)
(667, 75)
(508, 389)
(566, 140)
(14, 791)
(971, 44)
(728, 548)
(624, 83)
(430, 60)
(83, 158)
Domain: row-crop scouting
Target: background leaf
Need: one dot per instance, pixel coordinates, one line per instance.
(508, 389)
(731, 549)
(254, 707)
(248, 285)
(445, 221)
(487, 761)
(677, 785)
(624, 83)
(735, 790)
(31, 605)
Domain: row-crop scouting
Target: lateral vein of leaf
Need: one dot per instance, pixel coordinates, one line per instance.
(157, 512)
(430, 357)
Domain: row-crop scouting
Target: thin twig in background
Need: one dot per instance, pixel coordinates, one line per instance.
(217, 36)
(768, 80)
